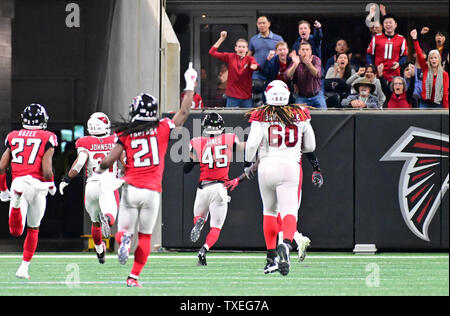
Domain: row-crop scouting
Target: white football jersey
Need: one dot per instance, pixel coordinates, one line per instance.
(272, 138)
(97, 148)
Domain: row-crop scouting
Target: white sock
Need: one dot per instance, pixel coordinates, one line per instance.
(99, 248)
(297, 237)
(280, 237)
(25, 264)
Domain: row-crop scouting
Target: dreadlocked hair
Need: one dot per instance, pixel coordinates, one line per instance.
(127, 128)
(285, 114)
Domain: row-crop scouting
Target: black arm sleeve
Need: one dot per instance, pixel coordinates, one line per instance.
(313, 160)
(188, 166)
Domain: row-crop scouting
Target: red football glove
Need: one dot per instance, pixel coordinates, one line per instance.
(231, 184)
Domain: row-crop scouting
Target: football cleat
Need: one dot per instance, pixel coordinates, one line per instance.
(202, 257)
(304, 243)
(102, 256)
(195, 232)
(124, 249)
(271, 266)
(22, 272)
(132, 282)
(106, 228)
(283, 259)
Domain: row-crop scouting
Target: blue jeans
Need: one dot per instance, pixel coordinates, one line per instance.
(429, 105)
(317, 101)
(239, 103)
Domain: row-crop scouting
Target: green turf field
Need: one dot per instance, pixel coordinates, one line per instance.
(235, 274)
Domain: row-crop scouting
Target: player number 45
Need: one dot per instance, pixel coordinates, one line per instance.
(220, 159)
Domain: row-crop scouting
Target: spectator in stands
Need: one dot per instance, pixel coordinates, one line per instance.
(240, 70)
(306, 75)
(410, 73)
(260, 46)
(375, 26)
(304, 30)
(277, 66)
(369, 72)
(440, 43)
(399, 92)
(390, 49)
(341, 47)
(222, 78)
(435, 82)
(335, 85)
(364, 98)
(341, 69)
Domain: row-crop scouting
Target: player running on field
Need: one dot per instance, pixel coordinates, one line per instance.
(145, 139)
(214, 153)
(30, 152)
(101, 197)
(279, 133)
(303, 242)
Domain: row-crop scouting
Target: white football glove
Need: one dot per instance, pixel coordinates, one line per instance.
(52, 189)
(190, 76)
(5, 196)
(62, 185)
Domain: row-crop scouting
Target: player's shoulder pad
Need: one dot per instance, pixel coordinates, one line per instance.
(257, 116)
(51, 137)
(81, 142)
(167, 121)
(304, 114)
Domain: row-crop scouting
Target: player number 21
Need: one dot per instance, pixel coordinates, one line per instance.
(144, 146)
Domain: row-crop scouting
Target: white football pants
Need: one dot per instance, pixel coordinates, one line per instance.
(213, 200)
(97, 200)
(280, 186)
(138, 209)
(33, 200)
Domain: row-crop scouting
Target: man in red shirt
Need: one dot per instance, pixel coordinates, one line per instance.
(240, 70)
(214, 152)
(389, 49)
(29, 151)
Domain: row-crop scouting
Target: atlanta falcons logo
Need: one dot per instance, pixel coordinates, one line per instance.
(421, 189)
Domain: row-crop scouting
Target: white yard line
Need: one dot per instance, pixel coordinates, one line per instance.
(212, 256)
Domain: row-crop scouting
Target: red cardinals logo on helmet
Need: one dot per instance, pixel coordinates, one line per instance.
(421, 188)
(103, 119)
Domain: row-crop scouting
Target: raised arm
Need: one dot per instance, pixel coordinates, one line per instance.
(190, 76)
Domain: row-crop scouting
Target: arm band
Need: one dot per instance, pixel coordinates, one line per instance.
(81, 160)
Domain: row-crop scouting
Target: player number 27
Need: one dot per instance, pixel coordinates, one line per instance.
(144, 146)
(35, 143)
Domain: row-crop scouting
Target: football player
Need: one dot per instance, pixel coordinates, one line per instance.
(279, 132)
(29, 151)
(303, 242)
(213, 152)
(144, 139)
(101, 197)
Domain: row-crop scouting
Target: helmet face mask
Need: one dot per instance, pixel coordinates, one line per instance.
(213, 124)
(98, 124)
(277, 93)
(34, 116)
(144, 108)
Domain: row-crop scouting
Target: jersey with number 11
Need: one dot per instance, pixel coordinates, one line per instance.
(145, 153)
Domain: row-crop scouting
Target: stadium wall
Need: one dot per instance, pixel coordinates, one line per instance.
(359, 202)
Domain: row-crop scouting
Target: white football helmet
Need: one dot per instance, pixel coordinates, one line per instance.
(98, 124)
(277, 93)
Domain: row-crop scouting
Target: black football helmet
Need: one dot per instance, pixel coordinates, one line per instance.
(144, 108)
(213, 123)
(34, 117)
